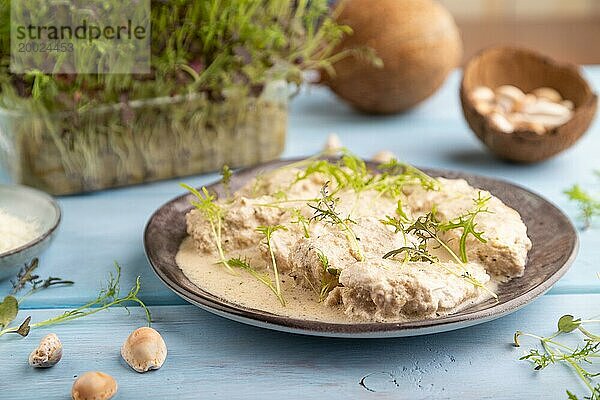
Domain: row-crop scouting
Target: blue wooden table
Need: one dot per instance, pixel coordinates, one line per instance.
(210, 357)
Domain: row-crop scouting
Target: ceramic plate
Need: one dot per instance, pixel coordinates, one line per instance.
(27, 203)
(554, 238)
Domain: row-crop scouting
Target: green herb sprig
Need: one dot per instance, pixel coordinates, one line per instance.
(302, 221)
(579, 357)
(589, 205)
(107, 297)
(214, 214)
(26, 277)
(261, 277)
(426, 228)
(268, 231)
(327, 285)
(467, 224)
(325, 211)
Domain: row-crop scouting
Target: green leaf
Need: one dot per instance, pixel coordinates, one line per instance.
(8, 310)
(567, 323)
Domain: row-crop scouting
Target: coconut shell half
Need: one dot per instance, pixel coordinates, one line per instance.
(527, 70)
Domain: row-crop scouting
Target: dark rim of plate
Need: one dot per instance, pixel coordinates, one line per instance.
(201, 297)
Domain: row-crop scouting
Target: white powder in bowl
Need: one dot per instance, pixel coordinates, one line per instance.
(15, 232)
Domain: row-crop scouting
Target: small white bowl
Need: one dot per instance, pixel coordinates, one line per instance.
(29, 204)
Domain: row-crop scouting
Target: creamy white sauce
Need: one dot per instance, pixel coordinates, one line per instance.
(243, 290)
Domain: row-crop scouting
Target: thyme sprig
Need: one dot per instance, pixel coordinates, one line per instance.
(267, 232)
(107, 297)
(579, 358)
(325, 211)
(214, 214)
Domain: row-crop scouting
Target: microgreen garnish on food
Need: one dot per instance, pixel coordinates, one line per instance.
(416, 252)
(261, 277)
(427, 228)
(467, 223)
(351, 172)
(325, 211)
(588, 204)
(327, 285)
(108, 297)
(579, 357)
(302, 221)
(408, 173)
(226, 180)
(268, 231)
(214, 214)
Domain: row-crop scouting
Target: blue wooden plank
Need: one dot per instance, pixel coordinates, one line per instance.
(210, 357)
(103, 227)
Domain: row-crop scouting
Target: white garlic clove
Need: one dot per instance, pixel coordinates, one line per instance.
(483, 107)
(548, 94)
(510, 92)
(568, 104)
(534, 127)
(501, 123)
(546, 107)
(482, 93)
(526, 101)
(548, 121)
(504, 105)
(333, 144)
(383, 156)
(94, 385)
(48, 353)
(144, 349)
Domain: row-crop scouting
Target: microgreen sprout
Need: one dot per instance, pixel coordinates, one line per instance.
(351, 172)
(27, 277)
(302, 221)
(589, 205)
(214, 214)
(467, 223)
(578, 357)
(261, 277)
(268, 231)
(325, 211)
(327, 285)
(426, 228)
(107, 297)
(226, 180)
